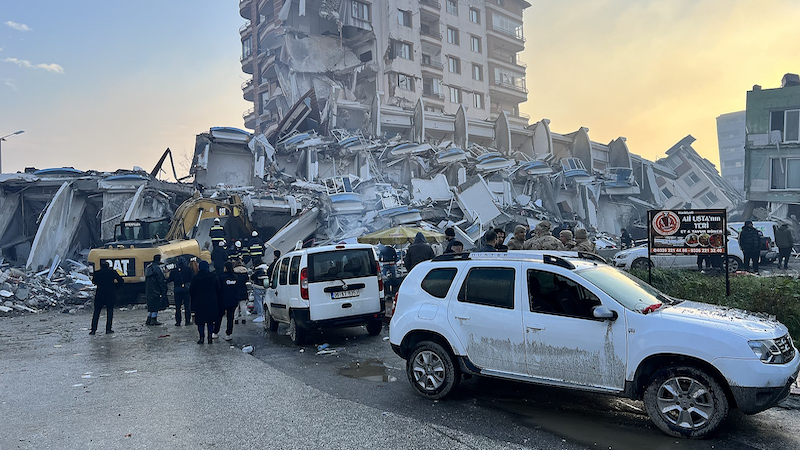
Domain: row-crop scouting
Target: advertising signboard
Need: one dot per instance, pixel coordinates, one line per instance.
(696, 231)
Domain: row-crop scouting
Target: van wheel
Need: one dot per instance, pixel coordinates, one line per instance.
(431, 371)
(641, 264)
(684, 401)
(374, 327)
(270, 323)
(296, 333)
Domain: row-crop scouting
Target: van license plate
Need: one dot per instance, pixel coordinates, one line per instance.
(346, 294)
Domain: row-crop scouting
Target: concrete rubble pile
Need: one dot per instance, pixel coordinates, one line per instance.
(26, 291)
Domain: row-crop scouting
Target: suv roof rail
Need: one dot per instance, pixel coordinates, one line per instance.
(452, 257)
(557, 261)
(592, 257)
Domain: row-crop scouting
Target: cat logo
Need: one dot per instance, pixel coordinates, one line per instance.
(125, 267)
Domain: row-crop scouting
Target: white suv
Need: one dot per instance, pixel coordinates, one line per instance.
(561, 320)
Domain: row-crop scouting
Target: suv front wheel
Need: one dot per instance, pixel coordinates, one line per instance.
(684, 401)
(431, 370)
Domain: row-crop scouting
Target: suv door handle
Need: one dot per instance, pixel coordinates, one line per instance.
(462, 317)
(535, 328)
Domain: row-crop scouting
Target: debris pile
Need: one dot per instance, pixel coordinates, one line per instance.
(31, 292)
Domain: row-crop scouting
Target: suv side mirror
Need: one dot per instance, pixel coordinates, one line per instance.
(602, 312)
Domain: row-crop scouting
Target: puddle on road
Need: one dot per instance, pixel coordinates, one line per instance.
(370, 370)
(598, 429)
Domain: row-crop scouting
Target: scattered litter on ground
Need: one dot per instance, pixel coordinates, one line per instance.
(247, 349)
(164, 335)
(131, 371)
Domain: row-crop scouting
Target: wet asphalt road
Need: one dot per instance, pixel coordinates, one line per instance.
(63, 389)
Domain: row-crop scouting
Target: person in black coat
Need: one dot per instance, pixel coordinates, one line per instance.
(490, 239)
(107, 281)
(229, 283)
(242, 274)
(750, 243)
(450, 235)
(155, 288)
(417, 252)
(219, 256)
(181, 279)
(204, 292)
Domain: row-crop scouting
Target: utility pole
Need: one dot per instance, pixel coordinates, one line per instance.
(1, 146)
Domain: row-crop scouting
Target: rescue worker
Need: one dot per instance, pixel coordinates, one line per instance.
(517, 242)
(181, 279)
(582, 242)
(155, 288)
(244, 250)
(107, 281)
(219, 256)
(542, 239)
(565, 236)
(256, 249)
(216, 233)
(234, 251)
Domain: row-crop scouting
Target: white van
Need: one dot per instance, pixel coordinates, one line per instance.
(325, 287)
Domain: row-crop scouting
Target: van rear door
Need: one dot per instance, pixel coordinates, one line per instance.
(343, 283)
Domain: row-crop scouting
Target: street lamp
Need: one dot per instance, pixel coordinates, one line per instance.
(1, 146)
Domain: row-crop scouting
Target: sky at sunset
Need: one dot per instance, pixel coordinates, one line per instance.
(106, 85)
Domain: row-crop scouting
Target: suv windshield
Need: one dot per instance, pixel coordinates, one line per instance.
(341, 264)
(629, 291)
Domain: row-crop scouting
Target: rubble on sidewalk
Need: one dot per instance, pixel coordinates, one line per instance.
(25, 291)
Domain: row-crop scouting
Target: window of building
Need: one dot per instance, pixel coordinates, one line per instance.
(788, 123)
(785, 173)
(360, 11)
(490, 286)
(404, 18)
(437, 282)
(474, 15)
(477, 101)
(691, 179)
(455, 95)
(405, 82)
(400, 49)
(666, 193)
(452, 7)
(475, 44)
(709, 198)
(509, 79)
(672, 163)
(452, 35)
(477, 72)
(246, 48)
(507, 26)
(454, 64)
(432, 86)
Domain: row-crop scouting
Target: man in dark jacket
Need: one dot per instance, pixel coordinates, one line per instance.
(417, 252)
(219, 256)
(229, 284)
(626, 239)
(107, 281)
(785, 241)
(204, 292)
(490, 239)
(388, 258)
(277, 255)
(155, 289)
(181, 279)
(450, 235)
(500, 245)
(750, 243)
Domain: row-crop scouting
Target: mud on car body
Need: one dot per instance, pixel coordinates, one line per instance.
(564, 321)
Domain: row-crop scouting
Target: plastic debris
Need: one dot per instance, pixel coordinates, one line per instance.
(322, 346)
(247, 349)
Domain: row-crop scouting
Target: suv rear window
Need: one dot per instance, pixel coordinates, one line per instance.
(437, 282)
(491, 286)
(341, 264)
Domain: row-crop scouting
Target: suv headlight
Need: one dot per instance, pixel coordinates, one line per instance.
(769, 351)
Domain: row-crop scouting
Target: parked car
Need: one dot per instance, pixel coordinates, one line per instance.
(323, 287)
(563, 321)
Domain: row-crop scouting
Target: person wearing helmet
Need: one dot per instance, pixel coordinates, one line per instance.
(216, 233)
(219, 256)
(235, 251)
(256, 249)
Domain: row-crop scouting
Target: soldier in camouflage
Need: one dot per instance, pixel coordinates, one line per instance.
(565, 236)
(583, 244)
(542, 239)
(517, 242)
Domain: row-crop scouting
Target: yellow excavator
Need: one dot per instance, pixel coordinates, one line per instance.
(186, 234)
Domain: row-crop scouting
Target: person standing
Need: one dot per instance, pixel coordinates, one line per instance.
(277, 255)
(107, 281)
(204, 292)
(785, 241)
(582, 242)
(418, 251)
(490, 240)
(258, 279)
(216, 233)
(388, 257)
(501, 239)
(256, 249)
(565, 236)
(749, 242)
(626, 239)
(228, 301)
(241, 273)
(457, 246)
(155, 288)
(450, 236)
(235, 251)
(517, 242)
(181, 279)
(219, 256)
(542, 239)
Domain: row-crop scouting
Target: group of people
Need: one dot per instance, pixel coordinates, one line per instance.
(210, 292)
(750, 244)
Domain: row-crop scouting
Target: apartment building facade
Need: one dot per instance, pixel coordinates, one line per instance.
(772, 149)
(371, 61)
(730, 139)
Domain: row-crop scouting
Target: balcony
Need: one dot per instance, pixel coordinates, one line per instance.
(430, 64)
(249, 117)
(433, 95)
(430, 33)
(508, 40)
(433, 4)
(508, 93)
(516, 87)
(247, 63)
(247, 89)
(244, 8)
(244, 30)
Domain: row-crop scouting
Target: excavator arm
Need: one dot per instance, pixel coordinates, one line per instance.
(191, 212)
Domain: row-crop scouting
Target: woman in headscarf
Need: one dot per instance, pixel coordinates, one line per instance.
(204, 292)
